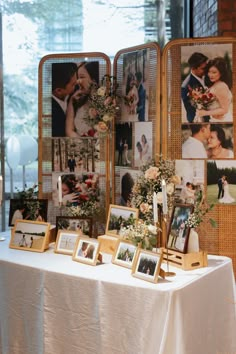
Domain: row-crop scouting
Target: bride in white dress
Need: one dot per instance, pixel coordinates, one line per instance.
(218, 75)
(227, 198)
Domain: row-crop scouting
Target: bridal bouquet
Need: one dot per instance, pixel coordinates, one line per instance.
(102, 103)
(200, 98)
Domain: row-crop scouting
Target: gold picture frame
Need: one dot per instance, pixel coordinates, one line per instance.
(119, 216)
(147, 265)
(124, 254)
(86, 250)
(66, 241)
(30, 236)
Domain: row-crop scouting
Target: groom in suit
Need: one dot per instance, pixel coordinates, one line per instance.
(64, 80)
(221, 187)
(195, 79)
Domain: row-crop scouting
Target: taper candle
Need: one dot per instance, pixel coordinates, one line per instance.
(155, 210)
(59, 190)
(164, 197)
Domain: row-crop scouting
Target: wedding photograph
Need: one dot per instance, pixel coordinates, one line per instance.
(124, 188)
(124, 254)
(65, 242)
(135, 86)
(206, 141)
(119, 217)
(178, 231)
(123, 144)
(221, 182)
(191, 173)
(75, 155)
(147, 265)
(206, 90)
(143, 143)
(86, 250)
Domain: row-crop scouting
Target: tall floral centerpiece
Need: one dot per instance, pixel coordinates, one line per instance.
(153, 196)
(102, 105)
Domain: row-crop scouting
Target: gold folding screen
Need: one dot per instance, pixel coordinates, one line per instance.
(221, 240)
(49, 146)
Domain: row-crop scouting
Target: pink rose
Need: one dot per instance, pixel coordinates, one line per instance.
(152, 173)
(101, 127)
(144, 207)
(176, 179)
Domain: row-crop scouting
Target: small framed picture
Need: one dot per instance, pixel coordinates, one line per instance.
(118, 217)
(147, 265)
(86, 250)
(66, 241)
(124, 254)
(81, 225)
(178, 231)
(28, 209)
(30, 235)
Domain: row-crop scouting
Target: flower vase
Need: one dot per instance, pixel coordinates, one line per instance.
(193, 241)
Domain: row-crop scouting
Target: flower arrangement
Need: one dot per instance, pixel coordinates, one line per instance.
(140, 234)
(201, 98)
(200, 210)
(150, 182)
(102, 105)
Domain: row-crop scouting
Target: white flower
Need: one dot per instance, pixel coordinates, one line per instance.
(152, 229)
(159, 198)
(107, 117)
(170, 188)
(101, 91)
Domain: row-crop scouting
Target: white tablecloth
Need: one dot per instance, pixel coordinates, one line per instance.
(50, 304)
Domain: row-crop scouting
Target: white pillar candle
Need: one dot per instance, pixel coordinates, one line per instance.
(155, 210)
(59, 190)
(164, 197)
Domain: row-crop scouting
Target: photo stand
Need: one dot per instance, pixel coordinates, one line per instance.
(185, 261)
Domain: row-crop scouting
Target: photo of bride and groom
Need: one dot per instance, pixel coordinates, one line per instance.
(207, 82)
(221, 182)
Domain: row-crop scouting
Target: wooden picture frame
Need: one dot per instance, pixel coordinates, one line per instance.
(66, 241)
(118, 216)
(30, 236)
(28, 209)
(86, 250)
(124, 254)
(79, 224)
(147, 265)
(178, 232)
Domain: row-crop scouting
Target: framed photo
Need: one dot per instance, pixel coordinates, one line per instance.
(82, 225)
(66, 241)
(178, 232)
(28, 209)
(30, 235)
(124, 254)
(118, 217)
(86, 250)
(147, 265)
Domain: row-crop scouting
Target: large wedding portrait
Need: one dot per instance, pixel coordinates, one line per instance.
(221, 182)
(206, 90)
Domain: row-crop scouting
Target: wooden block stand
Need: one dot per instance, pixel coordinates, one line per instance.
(107, 243)
(186, 261)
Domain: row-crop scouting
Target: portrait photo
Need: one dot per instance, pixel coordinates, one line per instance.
(28, 209)
(206, 90)
(30, 235)
(73, 80)
(123, 145)
(76, 188)
(221, 182)
(206, 141)
(127, 180)
(124, 254)
(178, 231)
(192, 174)
(75, 155)
(119, 217)
(66, 241)
(86, 250)
(135, 86)
(82, 225)
(147, 265)
(143, 143)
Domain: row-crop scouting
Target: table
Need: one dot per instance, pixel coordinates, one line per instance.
(51, 304)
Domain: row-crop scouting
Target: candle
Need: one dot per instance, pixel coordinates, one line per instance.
(155, 211)
(1, 186)
(164, 197)
(59, 190)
